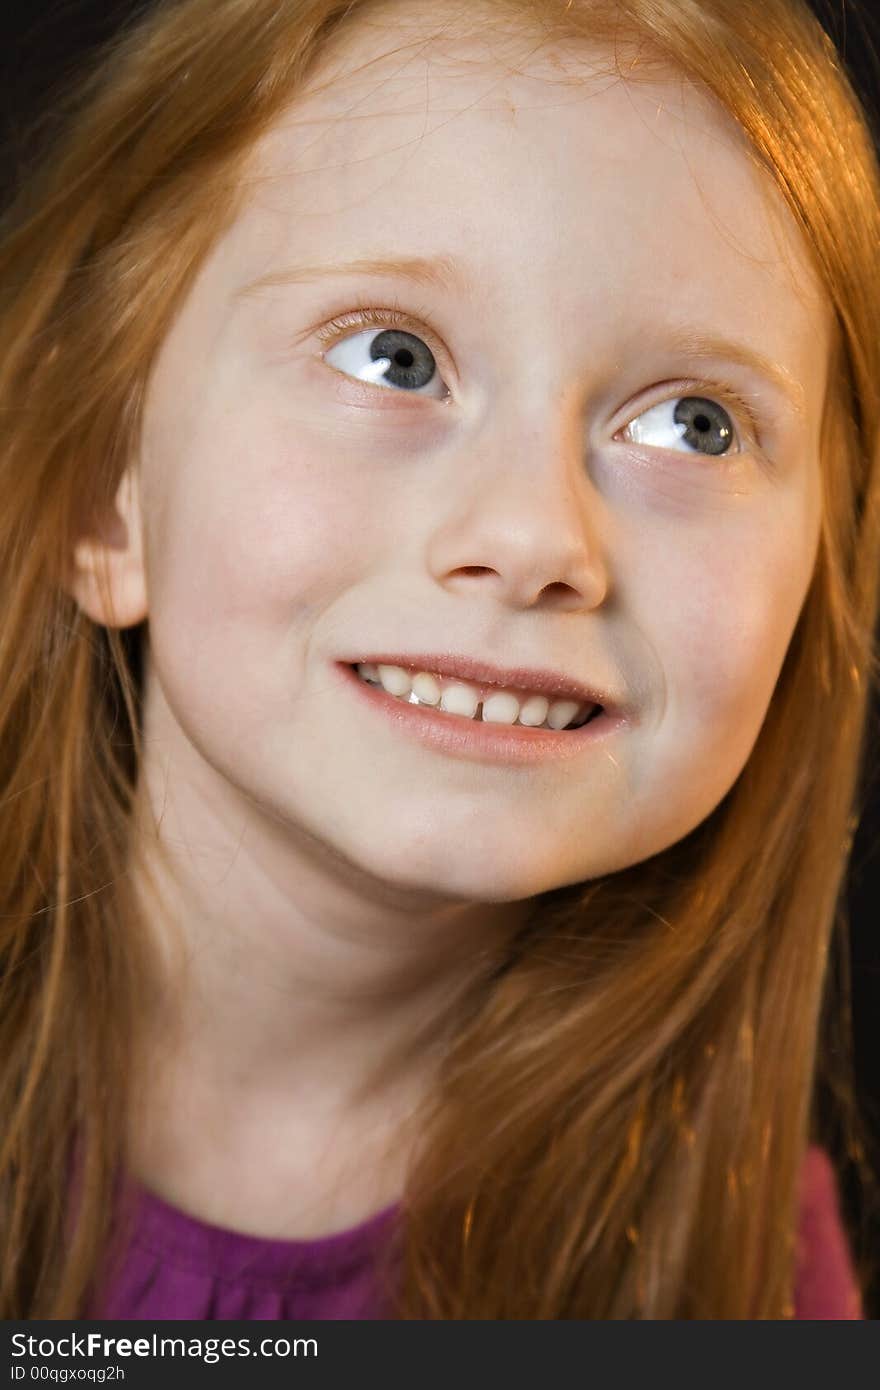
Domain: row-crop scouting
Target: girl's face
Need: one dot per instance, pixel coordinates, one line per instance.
(591, 253)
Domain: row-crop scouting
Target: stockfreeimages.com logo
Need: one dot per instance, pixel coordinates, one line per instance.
(208, 1349)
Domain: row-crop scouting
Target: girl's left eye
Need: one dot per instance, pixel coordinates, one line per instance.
(700, 423)
(387, 355)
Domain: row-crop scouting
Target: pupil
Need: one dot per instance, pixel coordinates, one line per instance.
(403, 357)
(702, 423)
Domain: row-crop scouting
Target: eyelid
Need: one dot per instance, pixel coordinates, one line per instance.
(363, 315)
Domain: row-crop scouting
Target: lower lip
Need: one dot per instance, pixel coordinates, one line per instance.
(459, 737)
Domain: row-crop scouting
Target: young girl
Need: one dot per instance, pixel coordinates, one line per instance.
(384, 392)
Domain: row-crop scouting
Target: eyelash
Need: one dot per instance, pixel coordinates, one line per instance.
(366, 315)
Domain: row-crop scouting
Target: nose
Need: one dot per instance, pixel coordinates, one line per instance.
(526, 519)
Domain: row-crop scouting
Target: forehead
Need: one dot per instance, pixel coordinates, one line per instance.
(615, 191)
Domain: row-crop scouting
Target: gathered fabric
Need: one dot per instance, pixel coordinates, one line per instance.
(179, 1267)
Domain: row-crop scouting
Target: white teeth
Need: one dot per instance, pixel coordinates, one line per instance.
(427, 688)
(395, 680)
(458, 699)
(536, 711)
(501, 709)
(562, 712)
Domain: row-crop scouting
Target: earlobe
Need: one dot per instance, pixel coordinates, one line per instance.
(107, 576)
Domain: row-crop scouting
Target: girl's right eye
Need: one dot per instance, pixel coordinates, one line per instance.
(388, 356)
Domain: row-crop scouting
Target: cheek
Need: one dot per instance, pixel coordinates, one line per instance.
(725, 628)
(253, 543)
(258, 524)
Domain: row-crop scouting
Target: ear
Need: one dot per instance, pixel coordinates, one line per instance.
(107, 576)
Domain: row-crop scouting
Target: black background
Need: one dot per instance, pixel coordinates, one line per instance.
(40, 49)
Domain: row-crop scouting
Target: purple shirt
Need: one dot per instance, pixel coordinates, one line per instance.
(180, 1267)
(825, 1282)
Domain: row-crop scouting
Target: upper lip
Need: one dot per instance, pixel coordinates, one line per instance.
(546, 682)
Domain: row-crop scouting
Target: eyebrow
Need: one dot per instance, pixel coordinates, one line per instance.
(444, 273)
(440, 272)
(713, 347)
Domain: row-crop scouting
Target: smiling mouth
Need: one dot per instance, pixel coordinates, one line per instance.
(505, 709)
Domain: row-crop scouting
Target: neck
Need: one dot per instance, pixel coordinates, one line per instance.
(301, 1019)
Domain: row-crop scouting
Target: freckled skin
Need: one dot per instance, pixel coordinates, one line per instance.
(291, 515)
